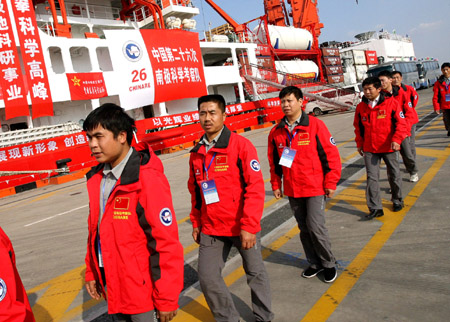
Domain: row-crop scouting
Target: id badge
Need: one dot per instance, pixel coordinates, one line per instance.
(447, 97)
(210, 192)
(287, 157)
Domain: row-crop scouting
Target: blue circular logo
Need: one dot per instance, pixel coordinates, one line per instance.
(132, 51)
(332, 141)
(205, 185)
(402, 115)
(166, 217)
(254, 164)
(2, 289)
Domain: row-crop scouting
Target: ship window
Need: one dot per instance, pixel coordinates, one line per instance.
(81, 61)
(56, 60)
(216, 56)
(104, 59)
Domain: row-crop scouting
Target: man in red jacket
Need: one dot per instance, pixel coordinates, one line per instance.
(227, 194)
(303, 153)
(380, 129)
(399, 94)
(411, 93)
(14, 304)
(441, 97)
(134, 258)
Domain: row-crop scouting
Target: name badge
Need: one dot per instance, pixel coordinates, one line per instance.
(210, 191)
(447, 97)
(287, 157)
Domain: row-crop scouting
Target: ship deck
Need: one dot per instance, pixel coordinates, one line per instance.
(393, 268)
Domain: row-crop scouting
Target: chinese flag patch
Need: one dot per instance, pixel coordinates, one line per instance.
(122, 203)
(303, 136)
(221, 160)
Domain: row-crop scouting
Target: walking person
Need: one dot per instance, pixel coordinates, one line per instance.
(441, 96)
(303, 154)
(134, 257)
(227, 193)
(379, 130)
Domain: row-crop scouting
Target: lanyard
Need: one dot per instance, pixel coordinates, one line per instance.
(207, 168)
(291, 137)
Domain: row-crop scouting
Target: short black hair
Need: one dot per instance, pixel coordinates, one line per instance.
(445, 65)
(395, 72)
(375, 81)
(288, 90)
(385, 73)
(112, 118)
(215, 98)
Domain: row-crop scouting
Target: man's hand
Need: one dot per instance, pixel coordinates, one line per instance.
(166, 316)
(93, 289)
(329, 193)
(277, 193)
(196, 235)
(395, 146)
(248, 240)
(437, 112)
(360, 151)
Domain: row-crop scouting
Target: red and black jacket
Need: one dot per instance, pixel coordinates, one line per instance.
(316, 165)
(236, 172)
(440, 90)
(142, 255)
(14, 304)
(402, 97)
(376, 128)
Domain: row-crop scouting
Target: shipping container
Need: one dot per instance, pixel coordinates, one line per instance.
(330, 52)
(332, 61)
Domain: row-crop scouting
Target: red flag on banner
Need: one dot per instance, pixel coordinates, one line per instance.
(84, 86)
(33, 58)
(177, 64)
(11, 80)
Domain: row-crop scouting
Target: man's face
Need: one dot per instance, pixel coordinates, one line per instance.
(105, 148)
(291, 106)
(370, 92)
(211, 118)
(397, 79)
(446, 72)
(386, 83)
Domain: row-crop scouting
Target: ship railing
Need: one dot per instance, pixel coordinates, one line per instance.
(38, 133)
(81, 9)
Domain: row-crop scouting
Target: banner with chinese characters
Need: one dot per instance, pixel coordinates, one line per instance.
(11, 81)
(155, 66)
(177, 63)
(33, 58)
(85, 86)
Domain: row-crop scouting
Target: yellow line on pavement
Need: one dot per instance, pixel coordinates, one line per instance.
(331, 299)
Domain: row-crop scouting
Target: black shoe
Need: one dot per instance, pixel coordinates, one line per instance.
(375, 213)
(329, 274)
(448, 133)
(311, 272)
(398, 206)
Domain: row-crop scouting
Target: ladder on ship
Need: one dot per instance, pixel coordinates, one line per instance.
(38, 133)
(310, 87)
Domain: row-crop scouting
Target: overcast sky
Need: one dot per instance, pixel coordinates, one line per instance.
(427, 22)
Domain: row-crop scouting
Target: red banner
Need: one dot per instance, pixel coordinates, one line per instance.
(176, 61)
(371, 57)
(13, 89)
(85, 86)
(33, 58)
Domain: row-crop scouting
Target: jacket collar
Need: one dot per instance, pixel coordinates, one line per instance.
(403, 86)
(304, 121)
(222, 142)
(380, 100)
(130, 173)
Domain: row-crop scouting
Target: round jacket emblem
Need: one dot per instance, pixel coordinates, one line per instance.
(3, 289)
(166, 217)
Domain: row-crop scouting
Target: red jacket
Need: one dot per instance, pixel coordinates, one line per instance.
(142, 255)
(376, 128)
(440, 89)
(239, 182)
(14, 305)
(316, 165)
(399, 94)
(411, 93)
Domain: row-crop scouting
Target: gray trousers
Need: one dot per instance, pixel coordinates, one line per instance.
(446, 117)
(212, 256)
(409, 159)
(310, 215)
(142, 317)
(372, 161)
(412, 140)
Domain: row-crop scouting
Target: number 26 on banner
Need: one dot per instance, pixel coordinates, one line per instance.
(140, 75)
